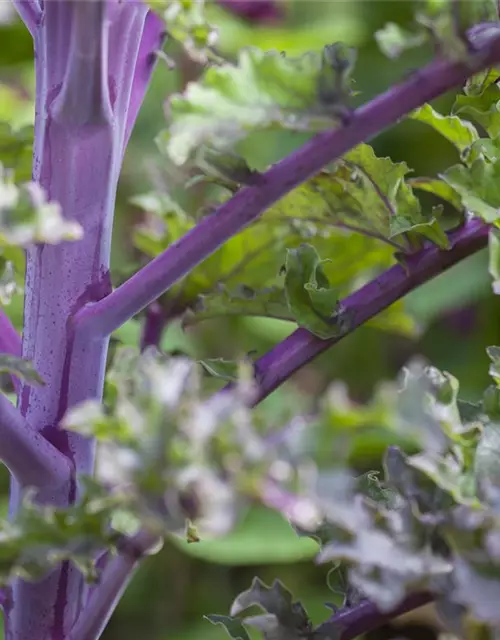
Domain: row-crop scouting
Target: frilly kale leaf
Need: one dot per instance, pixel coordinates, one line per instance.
(447, 25)
(186, 22)
(170, 453)
(431, 524)
(40, 537)
(262, 91)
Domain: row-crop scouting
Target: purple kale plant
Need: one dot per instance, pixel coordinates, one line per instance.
(173, 458)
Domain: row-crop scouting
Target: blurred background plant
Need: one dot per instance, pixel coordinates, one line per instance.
(457, 313)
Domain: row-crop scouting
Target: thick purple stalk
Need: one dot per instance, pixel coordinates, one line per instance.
(301, 347)
(103, 317)
(85, 56)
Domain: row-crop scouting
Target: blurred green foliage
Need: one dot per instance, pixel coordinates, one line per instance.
(458, 311)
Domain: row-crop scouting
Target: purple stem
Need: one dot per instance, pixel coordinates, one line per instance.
(10, 342)
(463, 321)
(154, 324)
(30, 458)
(85, 58)
(108, 314)
(5, 600)
(254, 10)
(30, 13)
(114, 579)
(60, 280)
(101, 318)
(365, 616)
(301, 346)
(153, 36)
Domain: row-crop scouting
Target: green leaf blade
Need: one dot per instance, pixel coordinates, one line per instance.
(460, 133)
(233, 626)
(263, 90)
(311, 300)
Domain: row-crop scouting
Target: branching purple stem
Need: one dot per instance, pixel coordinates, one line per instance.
(30, 458)
(115, 578)
(153, 36)
(101, 318)
(30, 13)
(301, 347)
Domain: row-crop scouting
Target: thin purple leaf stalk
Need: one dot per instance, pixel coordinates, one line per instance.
(154, 325)
(93, 62)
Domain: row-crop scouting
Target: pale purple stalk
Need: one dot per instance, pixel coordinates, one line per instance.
(86, 58)
(105, 316)
(116, 572)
